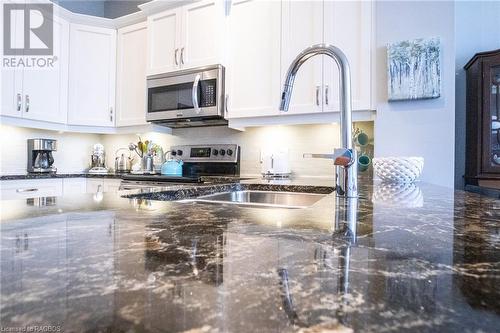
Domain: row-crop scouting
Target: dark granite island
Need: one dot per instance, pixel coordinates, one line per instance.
(424, 259)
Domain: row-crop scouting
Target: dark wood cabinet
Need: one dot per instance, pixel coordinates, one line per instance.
(482, 166)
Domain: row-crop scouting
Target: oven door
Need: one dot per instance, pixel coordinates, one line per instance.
(185, 94)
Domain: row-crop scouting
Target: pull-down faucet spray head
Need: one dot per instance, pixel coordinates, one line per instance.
(346, 175)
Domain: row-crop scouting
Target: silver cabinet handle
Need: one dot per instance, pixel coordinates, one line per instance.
(27, 103)
(175, 57)
(194, 93)
(226, 106)
(317, 95)
(99, 188)
(182, 55)
(111, 114)
(326, 94)
(19, 102)
(23, 190)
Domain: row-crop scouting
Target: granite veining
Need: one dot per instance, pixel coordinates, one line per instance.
(423, 259)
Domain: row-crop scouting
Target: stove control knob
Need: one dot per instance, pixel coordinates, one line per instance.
(215, 152)
(179, 152)
(229, 152)
(222, 152)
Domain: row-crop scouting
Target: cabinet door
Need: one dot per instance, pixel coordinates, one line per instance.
(253, 71)
(92, 75)
(490, 117)
(74, 186)
(348, 25)
(164, 39)
(45, 90)
(302, 27)
(111, 185)
(11, 78)
(131, 75)
(95, 185)
(202, 33)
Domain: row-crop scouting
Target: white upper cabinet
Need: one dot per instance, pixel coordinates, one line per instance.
(164, 40)
(202, 33)
(131, 75)
(92, 76)
(185, 37)
(302, 27)
(45, 90)
(253, 59)
(38, 93)
(348, 25)
(12, 84)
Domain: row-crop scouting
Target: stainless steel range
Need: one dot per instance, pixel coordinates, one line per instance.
(200, 162)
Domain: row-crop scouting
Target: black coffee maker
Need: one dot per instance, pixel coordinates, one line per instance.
(40, 159)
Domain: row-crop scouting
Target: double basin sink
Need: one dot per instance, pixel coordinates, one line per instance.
(255, 198)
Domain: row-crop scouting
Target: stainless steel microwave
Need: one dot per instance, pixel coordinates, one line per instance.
(187, 98)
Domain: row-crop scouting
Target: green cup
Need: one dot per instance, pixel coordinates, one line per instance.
(364, 162)
(362, 139)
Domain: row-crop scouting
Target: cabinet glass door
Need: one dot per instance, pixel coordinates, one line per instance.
(492, 142)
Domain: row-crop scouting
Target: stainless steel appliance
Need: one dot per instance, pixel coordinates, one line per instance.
(188, 98)
(98, 160)
(199, 160)
(123, 164)
(40, 159)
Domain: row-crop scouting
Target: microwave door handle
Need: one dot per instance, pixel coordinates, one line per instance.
(195, 94)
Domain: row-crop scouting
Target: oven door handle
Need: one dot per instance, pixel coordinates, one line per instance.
(195, 93)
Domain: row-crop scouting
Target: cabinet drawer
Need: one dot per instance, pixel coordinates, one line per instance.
(30, 188)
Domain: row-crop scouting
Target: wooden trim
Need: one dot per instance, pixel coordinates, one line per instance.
(481, 55)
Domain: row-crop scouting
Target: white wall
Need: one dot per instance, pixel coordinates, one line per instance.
(417, 128)
(476, 30)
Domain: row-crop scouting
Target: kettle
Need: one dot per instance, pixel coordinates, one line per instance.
(122, 163)
(172, 167)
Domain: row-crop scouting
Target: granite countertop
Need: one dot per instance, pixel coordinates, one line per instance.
(423, 259)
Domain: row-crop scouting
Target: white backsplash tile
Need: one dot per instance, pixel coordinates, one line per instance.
(74, 149)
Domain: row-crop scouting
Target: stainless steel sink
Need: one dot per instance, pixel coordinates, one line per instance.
(262, 199)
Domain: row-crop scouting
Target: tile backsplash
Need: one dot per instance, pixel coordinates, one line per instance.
(74, 149)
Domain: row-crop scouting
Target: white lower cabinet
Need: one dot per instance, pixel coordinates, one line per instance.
(95, 185)
(111, 185)
(30, 188)
(74, 186)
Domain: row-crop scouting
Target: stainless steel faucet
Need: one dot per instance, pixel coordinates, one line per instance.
(345, 158)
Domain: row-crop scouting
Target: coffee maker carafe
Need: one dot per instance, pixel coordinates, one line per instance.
(40, 159)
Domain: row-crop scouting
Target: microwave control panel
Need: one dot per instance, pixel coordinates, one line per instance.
(208, 93)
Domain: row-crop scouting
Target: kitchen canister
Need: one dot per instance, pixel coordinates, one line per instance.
(398, 169)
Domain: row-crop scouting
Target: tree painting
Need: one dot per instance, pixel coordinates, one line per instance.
(413, 69)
